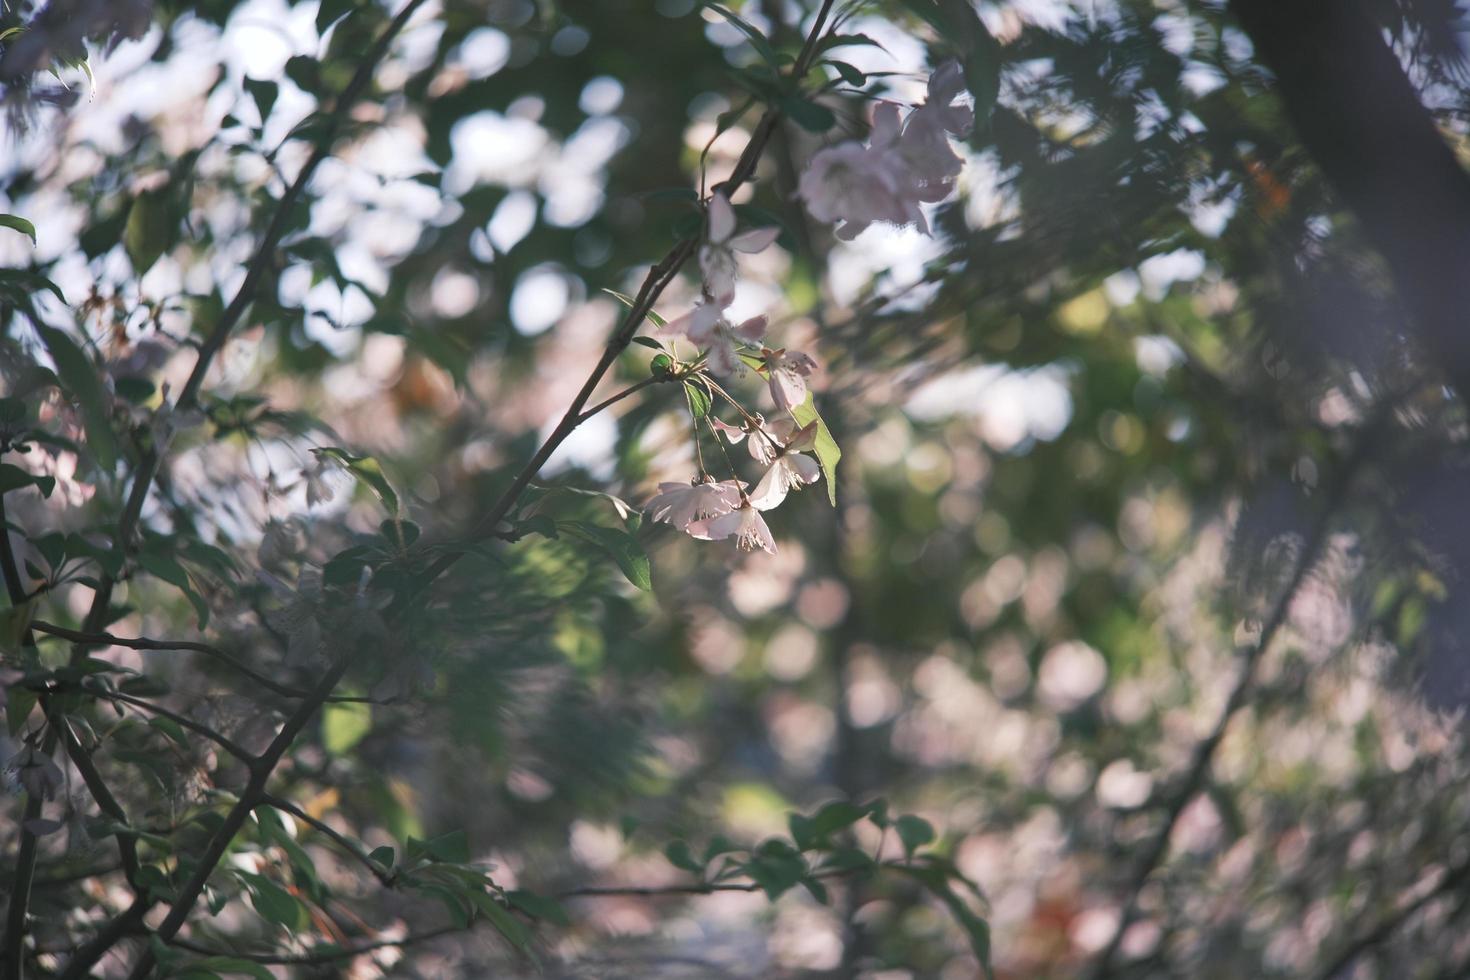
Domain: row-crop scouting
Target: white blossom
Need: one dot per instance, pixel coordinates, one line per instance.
(717, 255)
(681, 504)
(786, 373)
(707, 328)
(744, 524)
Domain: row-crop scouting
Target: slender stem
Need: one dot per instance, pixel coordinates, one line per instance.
(183, 721)
(325, 956)
(384, 875)
(102, 639)
(127, 847)
(630, 390)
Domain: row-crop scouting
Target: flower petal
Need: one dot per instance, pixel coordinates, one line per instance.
(771, 490)
(721, 218)
(753, 329)
(731, 432)
(755, 240)
(716, 528)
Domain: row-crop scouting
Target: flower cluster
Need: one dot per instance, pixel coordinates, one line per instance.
(903, 164)
(714, 511)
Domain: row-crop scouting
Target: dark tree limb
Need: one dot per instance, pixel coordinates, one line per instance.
(1363, 124)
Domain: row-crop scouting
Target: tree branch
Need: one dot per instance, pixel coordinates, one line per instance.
(183, 721)
(384, 875)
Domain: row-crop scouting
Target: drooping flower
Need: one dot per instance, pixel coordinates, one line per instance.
(789, 468)
(744, 524)
(717, 255)
(771, 439)
(786, 372)
(707, 328)
(319, 489)
(682, 504)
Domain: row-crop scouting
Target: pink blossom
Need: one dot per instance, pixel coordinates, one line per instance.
(855, 185)
(789, 471)
(786, 373)
(682, 504)
(707, 328)
(717, 255)
(744, 524)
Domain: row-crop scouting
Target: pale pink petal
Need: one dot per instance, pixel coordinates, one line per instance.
(732, 432)
(946, 83)
(704, 320)
(885, 124)
(721, 218)
(717, 528)
(771, 489)
(755, 533)
(752, 330)
(805, 469)
(722, 359)
(756, 240)
(803, 439)
(788, 388)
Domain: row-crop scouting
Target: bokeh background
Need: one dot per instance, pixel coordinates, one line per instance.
(1147, 395)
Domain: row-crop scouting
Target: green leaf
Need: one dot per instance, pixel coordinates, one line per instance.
(19, 224)
(827, 451)
(172, 729)
(164, 567)
(698, 397)
(834, 817)
(504, 921)
(14, 478)
(18, 704)
(383, 856)
(81, 379)
(627, 301)
(264, 93)
(152, 228)
(756, 38)
(539, 907)
(344, 724)
(451, 848)
(274, 903)
(810, 116)
(776, 868)
(980, 53)
(850, 74)
(367, 471)
(681, 857)
(914, 832)
(622, 546)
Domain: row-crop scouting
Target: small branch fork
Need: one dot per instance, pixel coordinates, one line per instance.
(130, 922)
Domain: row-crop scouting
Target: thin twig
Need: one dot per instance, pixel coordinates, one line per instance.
(183, 721)
(324, 956)
(103, 638)
(384, 875)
